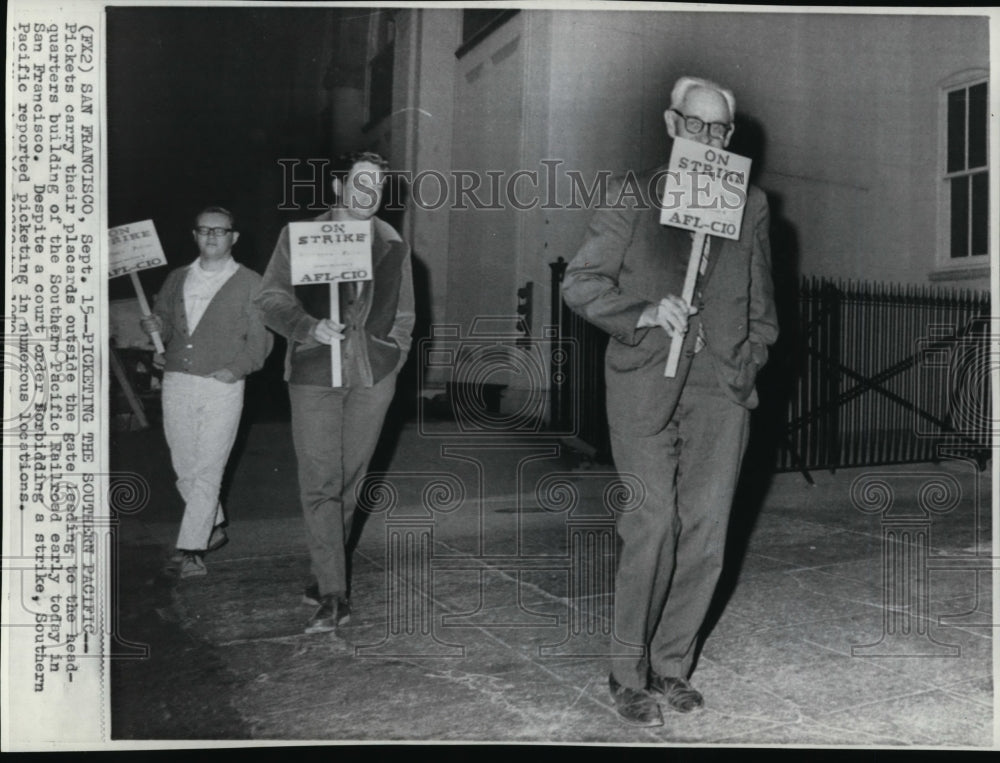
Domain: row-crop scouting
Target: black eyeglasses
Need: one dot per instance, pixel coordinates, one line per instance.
(201, 230)
(697, 126)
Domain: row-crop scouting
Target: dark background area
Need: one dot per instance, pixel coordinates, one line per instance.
(203, 102)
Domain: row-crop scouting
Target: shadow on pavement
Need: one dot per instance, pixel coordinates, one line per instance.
(182, 690)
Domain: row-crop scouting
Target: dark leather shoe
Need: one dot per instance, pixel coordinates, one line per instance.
(677, 693)
(332, 611)
(217, 539)
(635, 706)
(311, 595)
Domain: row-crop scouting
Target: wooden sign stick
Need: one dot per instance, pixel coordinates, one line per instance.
(694, 263)
(335, 365)
(144, 306)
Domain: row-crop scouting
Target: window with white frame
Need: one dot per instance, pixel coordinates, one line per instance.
(966, 172)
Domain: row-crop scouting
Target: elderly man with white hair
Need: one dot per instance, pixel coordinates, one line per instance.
(683, 437)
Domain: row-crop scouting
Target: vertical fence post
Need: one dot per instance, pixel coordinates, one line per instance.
(558, 388)
(831, 376)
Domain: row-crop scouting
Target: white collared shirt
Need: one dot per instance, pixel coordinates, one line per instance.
(201, 285)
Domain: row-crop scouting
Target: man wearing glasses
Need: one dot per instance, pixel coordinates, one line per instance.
(683, 437)
(335, 429)
(214, 337)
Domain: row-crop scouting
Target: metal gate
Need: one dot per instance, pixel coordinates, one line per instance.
(864, 374)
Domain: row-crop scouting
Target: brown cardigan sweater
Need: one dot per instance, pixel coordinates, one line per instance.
(379, 322)
(231, 333)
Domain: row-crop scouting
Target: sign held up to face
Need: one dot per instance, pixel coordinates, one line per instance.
(705, 189)
(134, 247)
(330, 252)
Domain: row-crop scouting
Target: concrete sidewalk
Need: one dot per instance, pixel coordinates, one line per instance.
(854, 612)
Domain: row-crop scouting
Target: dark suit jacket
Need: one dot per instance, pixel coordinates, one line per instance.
(628, 261)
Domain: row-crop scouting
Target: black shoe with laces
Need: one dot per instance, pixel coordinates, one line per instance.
(676, 693)
(333, 611)
(635, 706)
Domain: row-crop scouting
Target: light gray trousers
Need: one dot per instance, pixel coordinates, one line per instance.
(201, 416)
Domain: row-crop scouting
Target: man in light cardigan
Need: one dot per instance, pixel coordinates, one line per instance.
(214, 338)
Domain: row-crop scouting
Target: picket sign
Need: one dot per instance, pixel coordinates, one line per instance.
(704, 191)
(331, 252)
(690, 278)
(132, 248)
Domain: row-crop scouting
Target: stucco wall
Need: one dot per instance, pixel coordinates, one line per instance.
(843, 109)
(840, 113)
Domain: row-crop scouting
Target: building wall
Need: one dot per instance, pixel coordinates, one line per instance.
(431, 113)
(488, 128)
(417, 138)
(843, 117)
(840, 113)
(468, 118)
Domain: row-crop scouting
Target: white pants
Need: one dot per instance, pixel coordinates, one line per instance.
(200, 419)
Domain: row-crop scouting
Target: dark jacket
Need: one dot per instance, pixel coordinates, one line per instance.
(629, 261)
(379, 321)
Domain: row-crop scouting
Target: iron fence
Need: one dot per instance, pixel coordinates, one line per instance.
(863, 374)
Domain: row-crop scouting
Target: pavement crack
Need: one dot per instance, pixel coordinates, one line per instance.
(493, 688)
